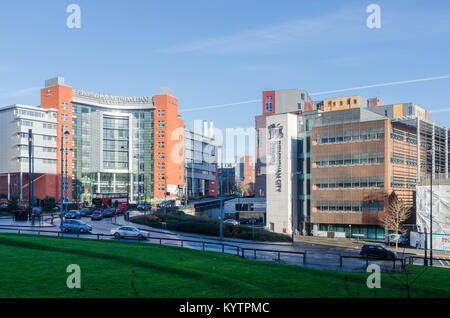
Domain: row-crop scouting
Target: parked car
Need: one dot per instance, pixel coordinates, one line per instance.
(243, 221)
(377, 251)
(85, 212)
(391, 239)
(76, 226)
(107, 213)
(74, 214)
(130, 232)
(97, 209)
(231, 221)
(121, 209)
(96, 216)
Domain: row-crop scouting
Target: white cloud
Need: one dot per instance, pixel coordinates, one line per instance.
(265, 38)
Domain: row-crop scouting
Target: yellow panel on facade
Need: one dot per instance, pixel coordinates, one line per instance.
(398, 110)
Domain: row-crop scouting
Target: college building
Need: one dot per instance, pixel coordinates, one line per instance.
(328, 170)
(112, 144)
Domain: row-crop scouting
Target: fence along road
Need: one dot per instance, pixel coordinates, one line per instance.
(332, 261)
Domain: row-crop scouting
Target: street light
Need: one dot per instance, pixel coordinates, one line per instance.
(430, 151)
(63, 133)
(221, 193)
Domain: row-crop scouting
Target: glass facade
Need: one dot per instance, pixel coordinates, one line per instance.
(108, 145)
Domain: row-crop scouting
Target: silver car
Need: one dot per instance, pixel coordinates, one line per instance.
(231, 221)
(76, 226)
(129, 232)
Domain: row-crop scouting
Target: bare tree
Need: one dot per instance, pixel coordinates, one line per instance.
(397, 214)
(243, 188)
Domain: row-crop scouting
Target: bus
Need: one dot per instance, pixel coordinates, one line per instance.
(101, 201)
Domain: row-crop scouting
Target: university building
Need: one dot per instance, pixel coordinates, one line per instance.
(15, 122)
(331, 171)
(200, 163)
(112, 144)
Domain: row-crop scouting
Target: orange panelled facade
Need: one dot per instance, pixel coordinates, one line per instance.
(249, 172)
(168, 145)
(60, 97)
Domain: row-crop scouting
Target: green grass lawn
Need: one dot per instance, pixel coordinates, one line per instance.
(35, 266)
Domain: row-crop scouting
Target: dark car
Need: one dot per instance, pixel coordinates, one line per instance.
(96, 216)
(85, 212)
(73, 215)
(107, 213)
(377, 251)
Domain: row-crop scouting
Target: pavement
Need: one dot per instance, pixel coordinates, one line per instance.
(320, 252)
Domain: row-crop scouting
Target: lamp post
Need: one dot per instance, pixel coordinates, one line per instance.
(63, 133)
(30, 175)
(221, 193)
(66, 182)
(430, 151)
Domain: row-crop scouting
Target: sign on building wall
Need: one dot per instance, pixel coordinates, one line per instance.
(275, 136)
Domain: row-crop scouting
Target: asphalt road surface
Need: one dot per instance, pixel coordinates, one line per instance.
(317, 255)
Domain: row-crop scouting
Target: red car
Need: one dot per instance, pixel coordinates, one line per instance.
(121, 209)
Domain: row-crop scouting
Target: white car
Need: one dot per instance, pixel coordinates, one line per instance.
(130, 232)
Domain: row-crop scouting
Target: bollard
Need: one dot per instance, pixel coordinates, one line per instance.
(279, 258)
(340, 261)
(160, 242)
(223, 248)
(254, 253)
(304, 258)
(203, 245)
(182, 244)
(394, 263)
(367, 262)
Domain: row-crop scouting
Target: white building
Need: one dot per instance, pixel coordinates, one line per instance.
(15, 122)
(441, 216)
(245, 208)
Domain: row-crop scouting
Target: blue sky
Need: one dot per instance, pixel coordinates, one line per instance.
(224, 52)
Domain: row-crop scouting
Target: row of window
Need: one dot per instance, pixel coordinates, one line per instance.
(37, 160)
(30, 113)
(350, 206)
(347, 136)
(355, 159)
(361, 182)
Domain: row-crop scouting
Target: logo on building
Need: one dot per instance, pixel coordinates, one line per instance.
(275, 132)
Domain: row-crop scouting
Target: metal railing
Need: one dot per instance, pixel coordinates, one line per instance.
(394, 260)
(278, 253)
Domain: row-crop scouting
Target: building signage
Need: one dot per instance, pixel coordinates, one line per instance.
(275, 132)
(112, 100)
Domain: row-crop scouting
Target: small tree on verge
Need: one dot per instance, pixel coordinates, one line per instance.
(13, 204)
(243, 189)
(397, 214)
(48, 203)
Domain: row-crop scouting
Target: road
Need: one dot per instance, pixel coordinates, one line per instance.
(323, 256)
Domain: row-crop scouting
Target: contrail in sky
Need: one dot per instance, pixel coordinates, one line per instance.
(329, 92)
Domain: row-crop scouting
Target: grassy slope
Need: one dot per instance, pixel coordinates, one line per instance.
(35, 266)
